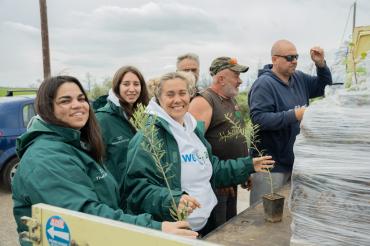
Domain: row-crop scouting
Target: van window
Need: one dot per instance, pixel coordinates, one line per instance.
(28, 113)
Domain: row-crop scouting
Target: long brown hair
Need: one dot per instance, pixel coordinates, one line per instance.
(44, 104)
(143, 97)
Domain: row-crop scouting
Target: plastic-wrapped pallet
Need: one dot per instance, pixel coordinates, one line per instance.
(330, 199)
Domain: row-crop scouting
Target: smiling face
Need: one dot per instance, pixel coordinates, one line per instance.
(70, 106)
(174, 98)
(130, 88)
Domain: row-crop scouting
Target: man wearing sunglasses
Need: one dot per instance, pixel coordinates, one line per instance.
(277, 102)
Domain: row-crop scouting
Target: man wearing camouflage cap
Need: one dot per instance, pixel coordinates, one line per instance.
(210, 106)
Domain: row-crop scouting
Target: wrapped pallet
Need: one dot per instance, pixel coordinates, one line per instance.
(330, 198)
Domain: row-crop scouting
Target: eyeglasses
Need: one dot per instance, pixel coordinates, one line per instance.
(289, 58)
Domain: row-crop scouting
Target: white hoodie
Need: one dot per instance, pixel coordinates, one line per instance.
(114, 99)
(196, 167)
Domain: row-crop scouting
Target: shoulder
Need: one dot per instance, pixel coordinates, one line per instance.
(259, 87)
(48, 148)
(45, 155)
(208, 95)
(104, 117)
(200, 103)
(104, 111)
(299, 73)
(263, 81)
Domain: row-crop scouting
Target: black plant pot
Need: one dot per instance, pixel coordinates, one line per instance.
(273, 205)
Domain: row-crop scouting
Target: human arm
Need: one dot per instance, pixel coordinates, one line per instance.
(316, 84)
(63, 180)
(235, 171)
(201, 110)
(263, 108)
(144, 186)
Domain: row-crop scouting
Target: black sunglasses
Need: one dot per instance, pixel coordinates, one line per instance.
(289, 58)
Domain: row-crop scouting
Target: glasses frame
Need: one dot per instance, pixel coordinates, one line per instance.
(289, 58)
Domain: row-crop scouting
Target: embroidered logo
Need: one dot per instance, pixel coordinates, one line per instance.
(102, 174)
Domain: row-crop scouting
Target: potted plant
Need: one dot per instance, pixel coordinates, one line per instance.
(273, 203)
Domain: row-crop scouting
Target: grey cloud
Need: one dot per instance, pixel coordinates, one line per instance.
(21, 27)
(151, 17)
(90, 36)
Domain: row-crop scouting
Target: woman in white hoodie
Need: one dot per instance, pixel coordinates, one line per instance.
(193, 171)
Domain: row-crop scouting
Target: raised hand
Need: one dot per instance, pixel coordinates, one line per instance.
(317, 56)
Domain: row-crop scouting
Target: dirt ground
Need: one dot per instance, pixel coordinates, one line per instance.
(8, 233)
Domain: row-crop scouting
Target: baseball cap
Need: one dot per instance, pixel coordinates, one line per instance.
(224, 62)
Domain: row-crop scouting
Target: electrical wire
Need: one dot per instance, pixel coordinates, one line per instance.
(345, 27)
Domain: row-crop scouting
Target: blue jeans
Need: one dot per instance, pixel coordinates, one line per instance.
(261, 185)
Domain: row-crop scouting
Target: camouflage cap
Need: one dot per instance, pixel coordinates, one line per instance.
(224, 62)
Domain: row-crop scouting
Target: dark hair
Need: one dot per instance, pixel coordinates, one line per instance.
(44, 104)
(143, 97)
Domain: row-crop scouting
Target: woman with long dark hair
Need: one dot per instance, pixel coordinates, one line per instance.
(128, 91)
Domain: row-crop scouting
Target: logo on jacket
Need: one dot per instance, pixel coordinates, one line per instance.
(102, 174)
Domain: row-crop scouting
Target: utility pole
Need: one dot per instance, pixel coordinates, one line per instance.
(354, 17)
(45, 39)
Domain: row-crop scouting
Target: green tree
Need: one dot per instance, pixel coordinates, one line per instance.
(242, 99)
(98, 90)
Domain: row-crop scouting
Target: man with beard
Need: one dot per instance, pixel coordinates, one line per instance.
(210, 106)
(277, 102)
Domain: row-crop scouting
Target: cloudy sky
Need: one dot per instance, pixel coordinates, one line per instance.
(99, 36)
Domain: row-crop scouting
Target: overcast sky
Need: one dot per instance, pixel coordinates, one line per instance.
(99, 36)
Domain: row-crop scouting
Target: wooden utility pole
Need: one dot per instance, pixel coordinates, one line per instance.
(45, 39)
(354, 17)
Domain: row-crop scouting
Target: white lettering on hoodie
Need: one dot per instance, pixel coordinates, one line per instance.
(196, 167)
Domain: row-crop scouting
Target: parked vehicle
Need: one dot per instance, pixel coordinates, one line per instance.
(15, 114)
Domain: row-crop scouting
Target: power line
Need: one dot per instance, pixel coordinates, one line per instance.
(345, 27)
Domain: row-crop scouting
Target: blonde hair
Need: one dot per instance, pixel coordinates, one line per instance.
(185, 76)
(151, 85)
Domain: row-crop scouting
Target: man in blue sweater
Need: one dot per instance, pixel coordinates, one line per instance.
(277, 102)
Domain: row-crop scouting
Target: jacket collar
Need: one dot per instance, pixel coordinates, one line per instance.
(40, 128)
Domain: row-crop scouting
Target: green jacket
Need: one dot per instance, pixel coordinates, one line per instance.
(99, 102)
(55, 170)
(146, 190)
(117, 132)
